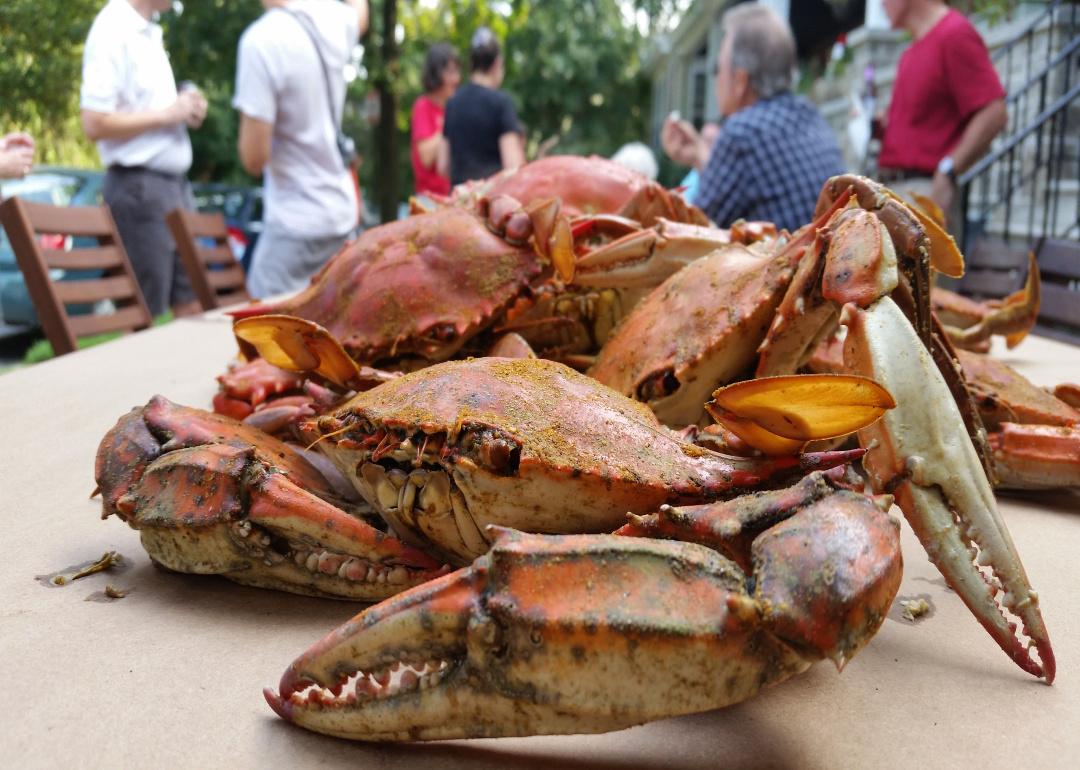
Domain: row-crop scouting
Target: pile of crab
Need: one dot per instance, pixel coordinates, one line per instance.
(565, 438)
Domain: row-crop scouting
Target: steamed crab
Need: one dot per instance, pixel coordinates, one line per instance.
(438, 454)
(1034, 435)
(586, 186)
(970, 324)
(436, 285)
(865, 246)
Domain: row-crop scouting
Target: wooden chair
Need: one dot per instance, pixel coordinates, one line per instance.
(24, 221)
(994, 267)
(216, 276)
(1059, 267)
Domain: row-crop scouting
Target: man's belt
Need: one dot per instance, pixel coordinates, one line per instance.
(119, 169)
(891, 175)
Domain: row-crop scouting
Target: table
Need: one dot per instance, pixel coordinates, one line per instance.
(171, 675)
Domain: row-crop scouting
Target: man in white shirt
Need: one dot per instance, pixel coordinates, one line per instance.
(131, 108)
(290, 92)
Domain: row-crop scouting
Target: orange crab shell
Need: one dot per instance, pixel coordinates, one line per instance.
(418, 287)
(724, 301)
(522, 443)
(591, 185)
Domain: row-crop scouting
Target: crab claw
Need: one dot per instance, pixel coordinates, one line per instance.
(921, 453)
(210, 496)
(785, 538)
(1013, 318)
(569, 634)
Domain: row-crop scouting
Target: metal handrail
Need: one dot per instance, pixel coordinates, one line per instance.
(1026, 165)
(1024, 33)
(1057, 106)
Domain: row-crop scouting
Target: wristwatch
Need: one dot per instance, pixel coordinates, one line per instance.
(947, 167)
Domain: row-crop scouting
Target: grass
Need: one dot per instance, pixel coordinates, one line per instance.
(42, 350)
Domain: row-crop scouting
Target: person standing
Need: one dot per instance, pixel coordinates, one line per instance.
(774, 151)
(482, 127)
(16, 155)
(430, 152)
(131, 108)
(947, 103)
(290, 93)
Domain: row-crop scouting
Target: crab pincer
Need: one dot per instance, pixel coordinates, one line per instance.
(209, 495)
(580, 633)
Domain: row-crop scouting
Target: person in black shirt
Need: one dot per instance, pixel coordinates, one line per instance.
(481, 125)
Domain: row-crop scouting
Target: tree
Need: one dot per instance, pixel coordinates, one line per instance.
(40, 72)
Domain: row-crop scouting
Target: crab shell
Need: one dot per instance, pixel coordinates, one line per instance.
(445, 451)
(414, 289)
(591, 185)
(1004, 395)
(696, 331)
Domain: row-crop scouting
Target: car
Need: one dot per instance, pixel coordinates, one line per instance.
(242, 208)
(57, 186)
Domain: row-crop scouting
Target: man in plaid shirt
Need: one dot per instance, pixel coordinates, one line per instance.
(775, 151)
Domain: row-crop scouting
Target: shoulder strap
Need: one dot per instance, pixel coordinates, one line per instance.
(306, 23)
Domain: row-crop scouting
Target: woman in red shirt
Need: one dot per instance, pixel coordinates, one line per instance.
(430, 156)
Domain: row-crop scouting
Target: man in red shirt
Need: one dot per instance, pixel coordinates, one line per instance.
(430, 153)
(947, 103)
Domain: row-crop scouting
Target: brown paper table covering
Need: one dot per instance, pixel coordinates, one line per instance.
(171, 675)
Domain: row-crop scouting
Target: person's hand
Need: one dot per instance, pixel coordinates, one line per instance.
(189, 108)
(16, 139)
(682, 143)
(16, 155)
(943, 191)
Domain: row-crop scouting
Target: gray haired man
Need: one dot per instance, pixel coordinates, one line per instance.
(774, 151)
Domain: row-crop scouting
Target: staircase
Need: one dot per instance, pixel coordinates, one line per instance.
(1025, 194)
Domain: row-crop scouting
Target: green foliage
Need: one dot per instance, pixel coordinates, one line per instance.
(572, 67)
(42, 349)
(40, 72)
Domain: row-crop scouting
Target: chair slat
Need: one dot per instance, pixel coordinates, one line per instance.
(69, 220)
(1060, 303)
(233, 298)
(991, 283)
(101, 258)
(206, 225)
(1060, 257)
(217, 255)
(79, 292)
(187, 228)
(124, 319)
(229, 278)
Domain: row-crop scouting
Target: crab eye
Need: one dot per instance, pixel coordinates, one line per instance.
(658, 385)
(499, 453)
(444, 332)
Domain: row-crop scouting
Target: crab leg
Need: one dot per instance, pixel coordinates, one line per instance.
(1013, 318)
(920, 452)
(646, 257)
(1036, 456)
